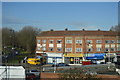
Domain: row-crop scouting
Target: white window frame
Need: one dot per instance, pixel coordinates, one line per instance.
(68, 49)
(68, 41)
(89, 41)
(38, 41)
(98, 49)
(59, 49)
(78, 41)
(59, 41)
(91, 49)
(98, 41)
(43, 41)
(51, 41)
(51, 49)
(78, 49)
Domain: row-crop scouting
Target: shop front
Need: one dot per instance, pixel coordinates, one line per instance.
(95, 58)
(54, 58)
(111, 57)
(73, 58)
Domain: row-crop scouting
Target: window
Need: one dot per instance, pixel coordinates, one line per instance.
(98, 41)
(50, 41)
(59, 49)
(106, 49)
(59, 41)
(51, 49)
(38, 41)
(68, 49)
(89, 41)
(98, 49)
(112, 41)
(118, 41)
(107, 41)
(89, 49)
(112, 49)
(78, 41)
(68, 41)
(43, 48)
(43, 41)
(78, 49)
(38, 48)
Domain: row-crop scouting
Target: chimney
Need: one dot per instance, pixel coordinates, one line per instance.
(83, 29)
(51, 30)
(98, 29)
(66, 29)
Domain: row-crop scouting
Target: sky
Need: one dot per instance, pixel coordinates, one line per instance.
(60, 15)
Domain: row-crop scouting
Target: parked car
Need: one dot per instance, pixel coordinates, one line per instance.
(30, 76)
(35, 72)
(91, 73)
(60, 64)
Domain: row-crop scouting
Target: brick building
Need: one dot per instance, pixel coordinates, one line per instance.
(75, 46)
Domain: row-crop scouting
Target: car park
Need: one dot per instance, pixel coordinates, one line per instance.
(60, 64)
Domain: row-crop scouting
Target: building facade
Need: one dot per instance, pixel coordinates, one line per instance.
(73, 47)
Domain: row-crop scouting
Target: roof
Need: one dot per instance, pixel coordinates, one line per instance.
(78, 33)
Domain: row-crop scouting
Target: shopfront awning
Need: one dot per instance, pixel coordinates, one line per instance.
(73, 55)
(95, 56)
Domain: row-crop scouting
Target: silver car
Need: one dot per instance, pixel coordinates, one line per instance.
(37, 73)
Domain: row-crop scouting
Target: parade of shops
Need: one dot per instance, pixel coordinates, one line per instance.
(73, 47)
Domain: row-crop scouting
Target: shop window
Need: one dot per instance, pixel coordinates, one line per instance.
(50, 41)
(51, 49)
(98, 41)
(89, 41)
(59, 49)
(68, 41)
(78, 41)
(59, 41)
(43, 41)
(78, 49)
(68, 49)
(98, 49)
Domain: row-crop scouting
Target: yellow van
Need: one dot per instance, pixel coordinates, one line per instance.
(33, 61)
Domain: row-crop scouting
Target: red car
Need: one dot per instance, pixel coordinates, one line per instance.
(30, 76)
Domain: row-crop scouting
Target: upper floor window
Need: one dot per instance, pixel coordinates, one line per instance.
(59, 49)
(78, 41)
(107, 41)
(112, 41)
(98, 49)
(106, 49)
(112, 49)
(50, 41)
(38, 48)
(78, 49)
(118, 41)
(38, 41)
(68, 41)
(59, 41)
(51, 49)
(89, 41)
(44, 48)
(98, 41)
(43, 41)
(89, 49)
(68, 49)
